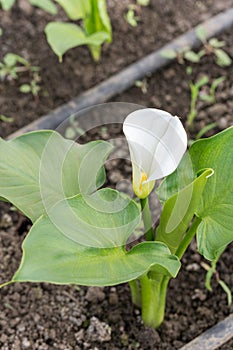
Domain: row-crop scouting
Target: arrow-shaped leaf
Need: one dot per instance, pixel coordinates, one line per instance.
(52, 253)
(40, 168)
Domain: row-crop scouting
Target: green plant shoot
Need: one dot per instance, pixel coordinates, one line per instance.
(95, 30)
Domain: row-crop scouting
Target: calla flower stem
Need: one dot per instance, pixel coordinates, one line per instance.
(146, 216)
(154, 292)
(135, 292)
(188, 238)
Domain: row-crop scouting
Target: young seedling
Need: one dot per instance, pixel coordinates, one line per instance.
(143, 2)
(95, 30)
(198, 93)
(80, 233)
(131, 16)
(214, 46)
(5, 119)
(73, 130)
(46, 5)
(212, 271)
(33, 87)
(195, 90)
(210, 97)
(13, 64)
(142, 84)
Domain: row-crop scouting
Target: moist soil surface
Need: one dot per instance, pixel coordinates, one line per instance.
(43, 316)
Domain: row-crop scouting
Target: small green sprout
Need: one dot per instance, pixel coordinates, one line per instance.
(143, 2)
(131, 16)
(73, 130)
(197, 93)
(13, 64)
(5, 119)
(142, 84)
(33, 87)
(195, 89)
(212, 46)
(212, 271)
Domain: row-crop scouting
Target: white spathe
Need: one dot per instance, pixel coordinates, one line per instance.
(157, 142)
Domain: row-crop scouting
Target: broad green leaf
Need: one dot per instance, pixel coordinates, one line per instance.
(7, 4)
(179, 179)
(179, 210)
(64, 36)
(75, 9)
(46, 5)
(216, 205)
(40, 168)
(49, 254)
(104, 219)
(216, 208)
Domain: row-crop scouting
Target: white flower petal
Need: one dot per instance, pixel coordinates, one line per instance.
(157, 142)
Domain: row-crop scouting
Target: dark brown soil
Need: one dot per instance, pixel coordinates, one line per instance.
(43, 316)
(23, 34)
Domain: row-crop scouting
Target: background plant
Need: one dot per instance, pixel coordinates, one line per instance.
(62, 36)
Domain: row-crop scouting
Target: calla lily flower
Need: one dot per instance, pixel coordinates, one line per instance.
(157, 142)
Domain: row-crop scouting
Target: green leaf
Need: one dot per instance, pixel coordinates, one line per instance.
(10, 59)
(216, 208)
(25, 88)
(75, 9)
(98, 19)
(179, 210)
(216, 43)
(192, 56)
(64, 36)
(205, 129)
(46, 5)
(201, 33)
(227, 291)
(223, 59)
(7, 4)
(179, 179)
(40, 168)
(143, 2)
(49, 254)
(168, 53)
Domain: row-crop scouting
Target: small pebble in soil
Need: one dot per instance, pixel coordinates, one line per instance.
(6, 221)
(98, 331)
(193, 267)
(199, 294)
(223, 123)
(26, 343)
(113, 298)
(95, 294)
